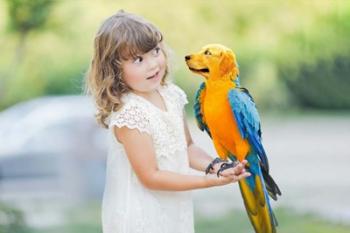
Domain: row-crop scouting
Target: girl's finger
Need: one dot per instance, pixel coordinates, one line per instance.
(233, 171)
(240, 176)
(244, 162)
(237, 169)
(244, 175)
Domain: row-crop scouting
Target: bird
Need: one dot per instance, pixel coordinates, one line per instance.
(226, 111)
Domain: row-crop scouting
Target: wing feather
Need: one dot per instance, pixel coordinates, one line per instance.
(198, 109)
(248, 120)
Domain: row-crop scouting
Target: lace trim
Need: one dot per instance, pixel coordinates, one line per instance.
(133, 117)
(180, 94)
(169, 136)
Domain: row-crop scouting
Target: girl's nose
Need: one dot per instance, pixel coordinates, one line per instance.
(152, 63)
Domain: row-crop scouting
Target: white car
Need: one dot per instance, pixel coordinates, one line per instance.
(52, 147)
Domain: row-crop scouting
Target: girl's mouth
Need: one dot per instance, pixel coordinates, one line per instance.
(155, 75)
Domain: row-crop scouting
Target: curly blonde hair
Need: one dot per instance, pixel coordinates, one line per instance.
(120, 37)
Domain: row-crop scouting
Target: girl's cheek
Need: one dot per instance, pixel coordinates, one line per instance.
(130, 78)
(161, 61)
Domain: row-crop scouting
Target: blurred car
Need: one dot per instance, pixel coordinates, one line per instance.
(51, 148)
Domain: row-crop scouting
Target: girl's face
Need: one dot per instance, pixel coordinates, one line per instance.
(145, 72)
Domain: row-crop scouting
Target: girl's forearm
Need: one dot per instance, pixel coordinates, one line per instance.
(198, 158)
(171, 181)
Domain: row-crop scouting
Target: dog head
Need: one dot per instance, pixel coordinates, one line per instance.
(213, 61)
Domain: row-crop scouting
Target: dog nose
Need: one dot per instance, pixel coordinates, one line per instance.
(188, 57)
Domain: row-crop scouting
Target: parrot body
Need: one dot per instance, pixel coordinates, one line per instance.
(218, 114)
(228, 114)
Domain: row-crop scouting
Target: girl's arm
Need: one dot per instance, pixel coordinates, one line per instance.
(141, 154)
(198, 158)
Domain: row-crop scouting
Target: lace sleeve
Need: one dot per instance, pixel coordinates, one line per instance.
(181, 95)
(131, 116)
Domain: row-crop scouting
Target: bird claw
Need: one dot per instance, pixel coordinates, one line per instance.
(225, 166)
(211, 165)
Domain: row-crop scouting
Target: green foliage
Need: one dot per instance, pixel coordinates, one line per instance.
(12, 220)
(316, 64)
(27, 15)
(269, 40)
(325, 84)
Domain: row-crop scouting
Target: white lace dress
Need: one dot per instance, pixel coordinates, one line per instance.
(128, 206)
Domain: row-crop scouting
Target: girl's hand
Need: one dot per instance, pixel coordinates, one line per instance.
(216, 168)
(230, 175)
(238, 169)
(230, 171)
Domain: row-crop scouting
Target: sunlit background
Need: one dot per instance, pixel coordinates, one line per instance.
(294, 57)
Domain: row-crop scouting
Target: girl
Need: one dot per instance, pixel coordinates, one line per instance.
(147, 178)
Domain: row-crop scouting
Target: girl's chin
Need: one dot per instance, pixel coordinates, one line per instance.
(152, 86)
(156, 86)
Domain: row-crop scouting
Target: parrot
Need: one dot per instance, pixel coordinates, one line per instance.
(228, 114)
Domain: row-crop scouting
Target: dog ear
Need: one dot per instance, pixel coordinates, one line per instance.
(228, 64)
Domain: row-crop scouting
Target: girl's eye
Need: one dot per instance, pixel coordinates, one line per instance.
(156, 50)
(138, 59)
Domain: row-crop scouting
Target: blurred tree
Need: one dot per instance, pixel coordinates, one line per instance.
(270, 39)
(317, 70)
(26, 16)
(323, 85)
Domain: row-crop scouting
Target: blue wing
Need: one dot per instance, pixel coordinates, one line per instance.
(198, 109)
(248, 120)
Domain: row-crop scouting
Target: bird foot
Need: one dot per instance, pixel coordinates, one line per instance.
(211, 165)
(225, 166)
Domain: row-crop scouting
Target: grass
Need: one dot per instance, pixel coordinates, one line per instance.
(289, 222)
(87, 219)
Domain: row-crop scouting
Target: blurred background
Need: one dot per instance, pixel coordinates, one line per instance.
(294, 57)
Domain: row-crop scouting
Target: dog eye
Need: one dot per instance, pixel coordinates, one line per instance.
(207, 52)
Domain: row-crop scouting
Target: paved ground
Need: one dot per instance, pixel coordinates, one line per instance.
(309, 158)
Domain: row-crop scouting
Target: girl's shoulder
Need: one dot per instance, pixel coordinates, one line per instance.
(135, 113)
(175, 93)
(132, 114)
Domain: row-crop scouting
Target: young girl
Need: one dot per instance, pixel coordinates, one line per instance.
(147, 179)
